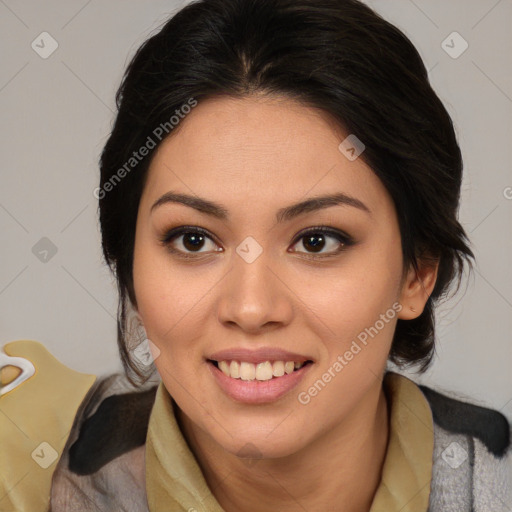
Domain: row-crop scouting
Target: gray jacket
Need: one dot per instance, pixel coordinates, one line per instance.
(102, 467)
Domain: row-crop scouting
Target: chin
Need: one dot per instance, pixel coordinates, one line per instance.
(256, 443)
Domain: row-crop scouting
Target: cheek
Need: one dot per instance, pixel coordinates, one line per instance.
(172, 301)
(357, 292)
(357, 304)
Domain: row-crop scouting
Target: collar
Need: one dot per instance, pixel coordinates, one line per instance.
(407, 469)
(173, 476)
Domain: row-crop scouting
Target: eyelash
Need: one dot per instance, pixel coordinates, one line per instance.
(345, 240)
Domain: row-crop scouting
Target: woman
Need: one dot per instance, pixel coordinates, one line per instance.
(278, 202)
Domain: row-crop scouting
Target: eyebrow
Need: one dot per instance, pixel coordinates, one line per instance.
(284, 214)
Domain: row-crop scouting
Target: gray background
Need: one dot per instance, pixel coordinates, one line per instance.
(56, 116)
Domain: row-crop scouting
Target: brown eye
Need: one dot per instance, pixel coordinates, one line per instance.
(188, 240)
(193, 241)
(314, 241)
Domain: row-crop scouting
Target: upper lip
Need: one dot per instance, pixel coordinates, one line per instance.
(258, 356)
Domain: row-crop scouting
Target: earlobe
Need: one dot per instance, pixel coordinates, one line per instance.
(417, 288)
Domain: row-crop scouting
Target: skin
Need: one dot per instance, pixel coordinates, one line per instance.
(254, 156)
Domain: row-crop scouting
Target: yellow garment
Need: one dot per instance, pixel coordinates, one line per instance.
(35, 420)
(173, 476)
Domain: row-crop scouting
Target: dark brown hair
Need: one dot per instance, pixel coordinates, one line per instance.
(336, 55)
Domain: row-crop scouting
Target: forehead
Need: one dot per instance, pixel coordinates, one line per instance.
(259, 148)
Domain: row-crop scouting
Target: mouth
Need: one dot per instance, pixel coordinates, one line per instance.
(258, 383)
(263, 371)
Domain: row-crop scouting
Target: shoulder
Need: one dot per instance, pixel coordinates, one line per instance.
(487, 425)
(104, 457)
(115, 422)
(472, 459)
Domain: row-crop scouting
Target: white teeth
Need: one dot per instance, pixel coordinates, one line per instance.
(278, 367)
(224, 367)
(264, 371)
(247, 371)
(288, 367)
(234, 369)
(261, 371)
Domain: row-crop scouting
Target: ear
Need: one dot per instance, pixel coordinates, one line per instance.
(417, 287)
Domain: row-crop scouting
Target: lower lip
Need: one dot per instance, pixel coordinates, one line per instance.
(256, 391)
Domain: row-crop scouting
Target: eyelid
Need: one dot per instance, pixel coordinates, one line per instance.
(334, 232)
(180, 230)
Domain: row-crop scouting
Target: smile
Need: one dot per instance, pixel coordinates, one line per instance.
(259, 383)
(262, 371)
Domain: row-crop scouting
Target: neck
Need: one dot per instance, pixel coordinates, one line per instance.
(343, 466)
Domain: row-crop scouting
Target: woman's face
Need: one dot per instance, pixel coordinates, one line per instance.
(257, 279)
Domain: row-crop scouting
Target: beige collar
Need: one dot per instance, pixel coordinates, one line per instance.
(407, 470)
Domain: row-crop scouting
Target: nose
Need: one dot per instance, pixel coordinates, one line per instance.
(255, 296)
